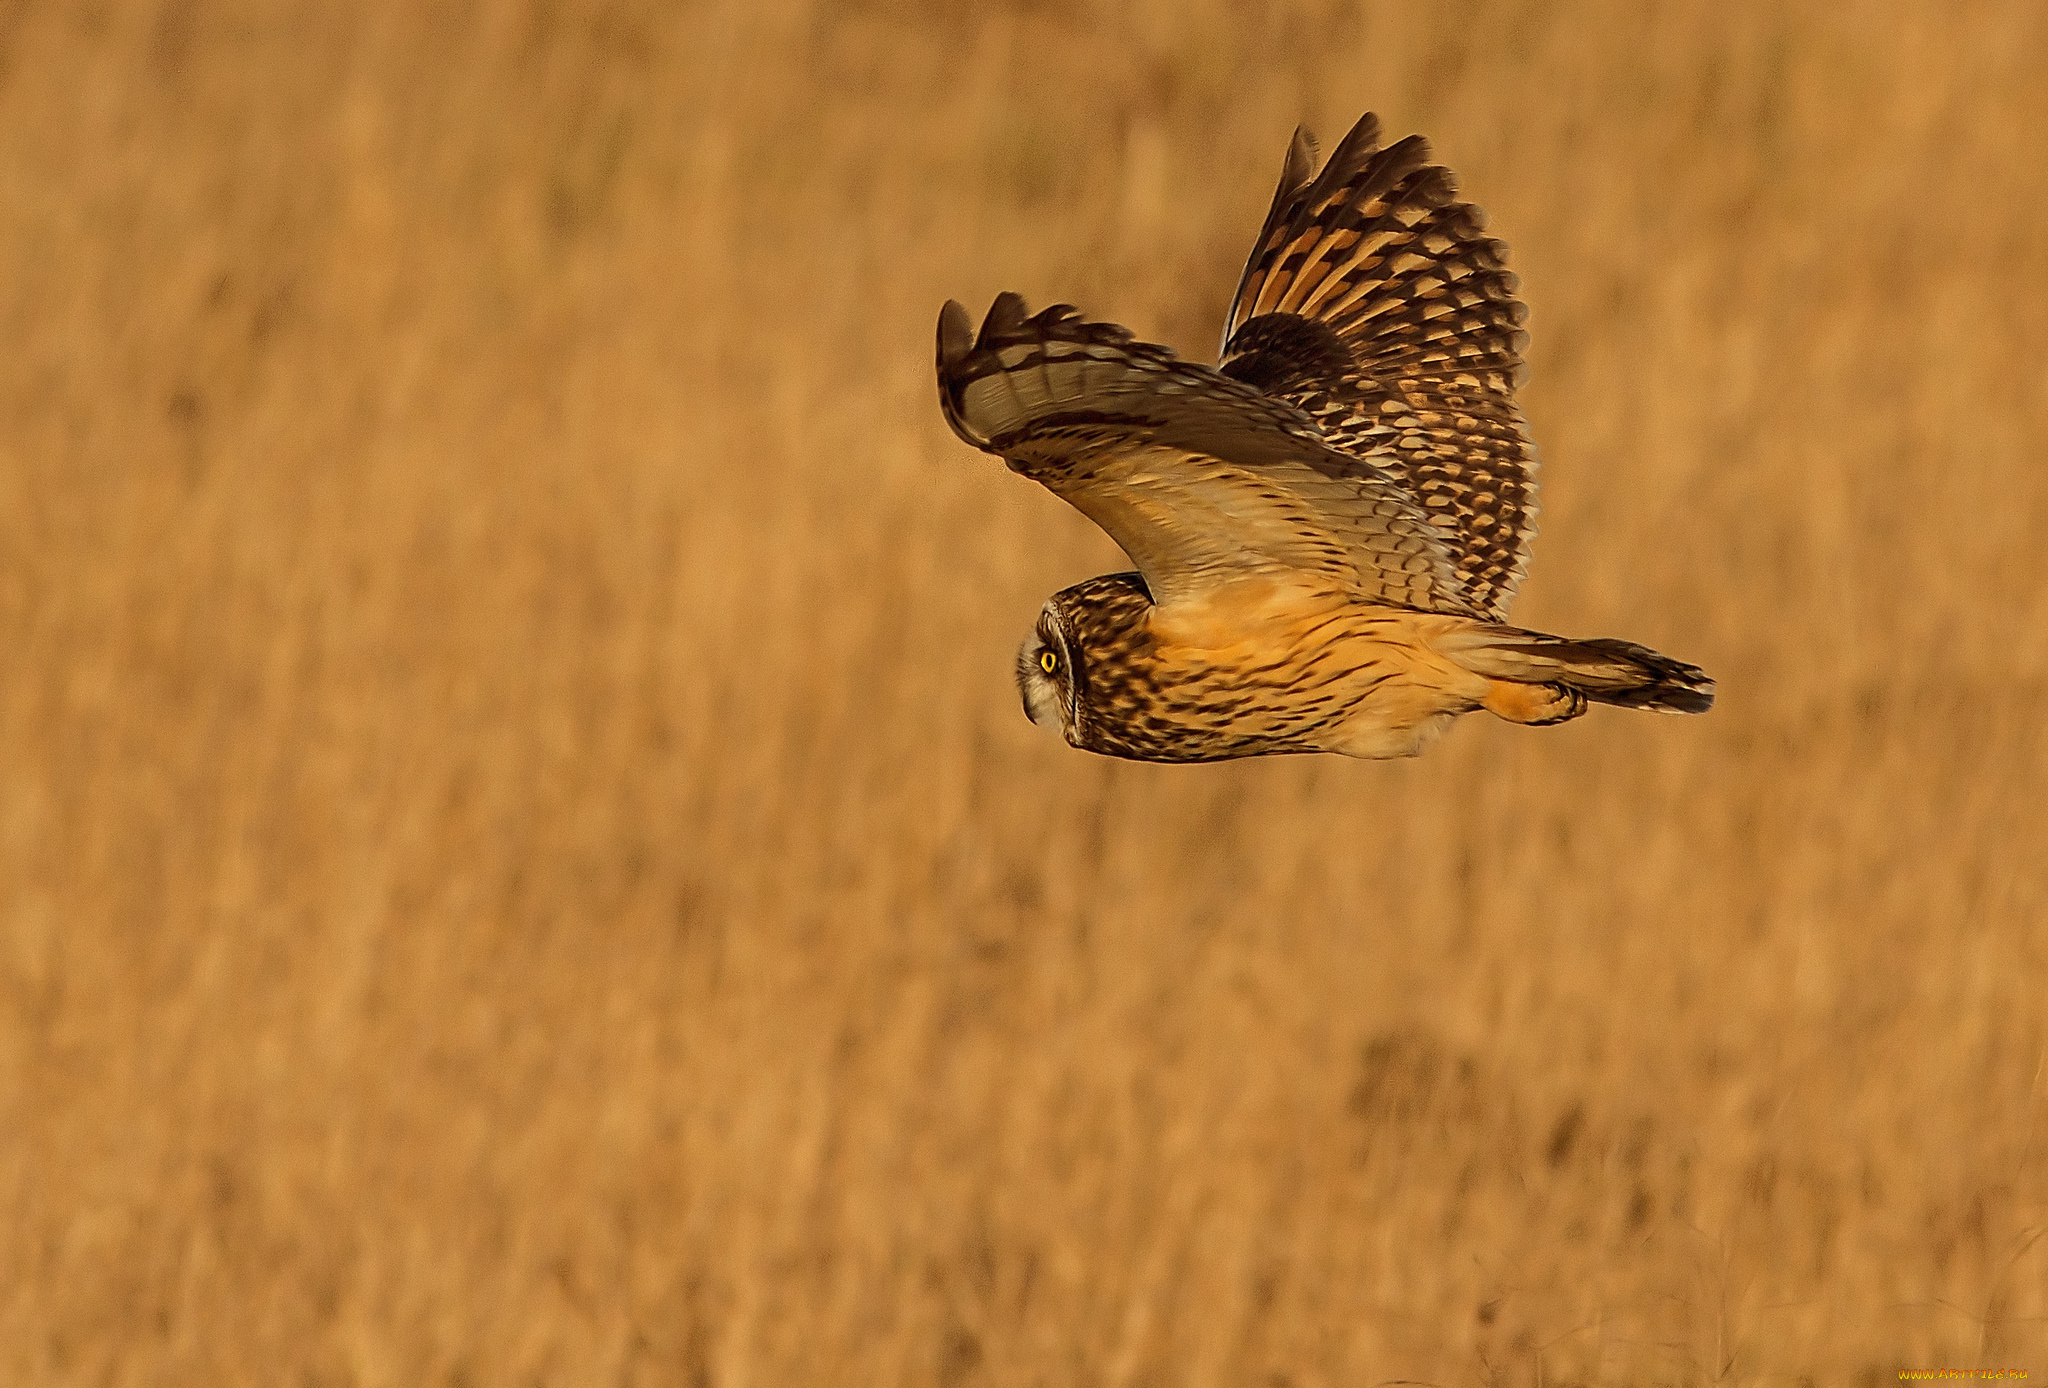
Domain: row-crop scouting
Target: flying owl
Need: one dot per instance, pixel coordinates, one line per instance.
(1329, 526)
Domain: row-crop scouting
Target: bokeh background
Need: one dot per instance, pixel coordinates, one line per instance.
(520, 861)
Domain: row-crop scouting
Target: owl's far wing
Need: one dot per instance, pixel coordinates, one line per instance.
(1375, 302)
(1201, 479)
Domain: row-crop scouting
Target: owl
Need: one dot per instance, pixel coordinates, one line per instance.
(1326, 528)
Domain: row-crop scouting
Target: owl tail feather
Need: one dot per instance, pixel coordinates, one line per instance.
(1604, 671)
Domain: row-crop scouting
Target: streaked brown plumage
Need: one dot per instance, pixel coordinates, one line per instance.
(1328, 528)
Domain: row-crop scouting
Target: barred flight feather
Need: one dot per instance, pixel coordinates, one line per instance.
(1139, 440)
(1374, 301)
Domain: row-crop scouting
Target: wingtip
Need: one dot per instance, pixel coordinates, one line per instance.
(1360, 143)
(1009, 320)
(1005, 315)
(1301, 160)
(956, 334)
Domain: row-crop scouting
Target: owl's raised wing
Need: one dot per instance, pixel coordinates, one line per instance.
(1375, 302)
(1201, 479)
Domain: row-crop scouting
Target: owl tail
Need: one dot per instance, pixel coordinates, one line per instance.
(1551, 677)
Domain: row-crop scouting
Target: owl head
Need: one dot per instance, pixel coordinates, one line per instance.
(1048, 679)
(1094, 672)
(1080, 670)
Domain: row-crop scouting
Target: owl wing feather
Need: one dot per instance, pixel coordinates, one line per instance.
(1201, 479)
(1375, 303)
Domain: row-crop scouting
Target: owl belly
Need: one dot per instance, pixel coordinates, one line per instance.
(1363, 682)
(1401, 722)
(1401, 696)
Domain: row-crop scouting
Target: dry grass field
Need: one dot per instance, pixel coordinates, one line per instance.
(520, 862)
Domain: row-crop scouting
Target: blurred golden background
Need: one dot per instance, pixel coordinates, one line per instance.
(520, 861)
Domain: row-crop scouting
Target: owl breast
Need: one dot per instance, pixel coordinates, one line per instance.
(1255, 674)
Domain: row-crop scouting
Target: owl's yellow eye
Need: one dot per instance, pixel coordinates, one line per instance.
(1048, 662)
